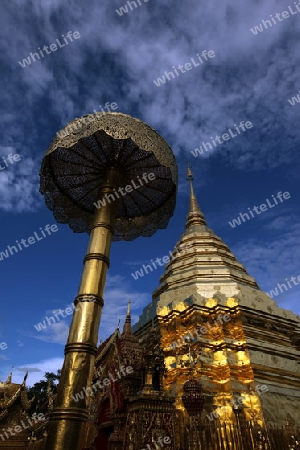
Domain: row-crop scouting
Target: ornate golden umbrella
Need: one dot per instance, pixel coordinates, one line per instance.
(85, 178)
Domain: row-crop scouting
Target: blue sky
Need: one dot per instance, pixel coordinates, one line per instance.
(116, 59)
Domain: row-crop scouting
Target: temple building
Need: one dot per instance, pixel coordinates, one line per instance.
(17, 429)
(215, 359)
(212, 363)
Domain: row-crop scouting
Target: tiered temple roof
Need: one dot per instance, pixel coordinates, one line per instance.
(16, 426)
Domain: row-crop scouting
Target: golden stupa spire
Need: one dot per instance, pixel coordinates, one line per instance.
(127, 325)
(195, 215)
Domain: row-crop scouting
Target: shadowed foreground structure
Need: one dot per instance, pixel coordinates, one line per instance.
(213, 343)
(212, 364)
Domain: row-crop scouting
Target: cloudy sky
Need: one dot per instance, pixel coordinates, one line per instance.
(116, 58)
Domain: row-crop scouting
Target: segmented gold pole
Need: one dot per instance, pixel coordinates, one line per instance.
(66, 431)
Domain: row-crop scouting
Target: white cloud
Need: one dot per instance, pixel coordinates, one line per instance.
(241, 83)
(117, 293)
(19, 184)
(56, 333)
(272, 261)
(36, 373)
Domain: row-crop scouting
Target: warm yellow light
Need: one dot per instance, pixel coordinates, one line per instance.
(211, 303)
(181, 306)
(169, 360)
(242, 358)
(231, 302)
(163, 311)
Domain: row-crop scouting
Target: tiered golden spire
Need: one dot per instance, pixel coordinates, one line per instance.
(195, 215)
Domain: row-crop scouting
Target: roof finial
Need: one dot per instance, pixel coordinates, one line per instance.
(128, 308)
(127, 324)
(25, 378)
(195, 216)
(8, 381)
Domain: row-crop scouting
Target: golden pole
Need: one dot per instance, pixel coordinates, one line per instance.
(66, 430)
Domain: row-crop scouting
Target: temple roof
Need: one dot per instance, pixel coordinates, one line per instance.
(127, 343)
(105, 346)
(12, 394)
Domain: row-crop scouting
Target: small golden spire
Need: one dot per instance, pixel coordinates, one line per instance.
(128, 308)
(195, 215)
(127, 325)
(8, 381)
(189, 175)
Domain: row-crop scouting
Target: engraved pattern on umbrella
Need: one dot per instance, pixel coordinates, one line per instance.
(75, 166)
